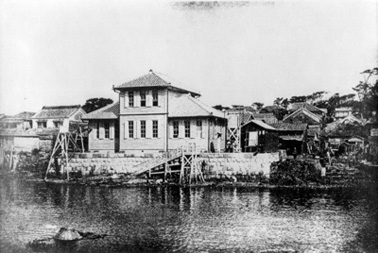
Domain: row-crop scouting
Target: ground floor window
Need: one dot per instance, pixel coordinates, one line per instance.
(155, 129)
(58, 124)
(199, 129)
(42, 124)
(175, 129)
(131, 129)
(107, 130)
(187, 128)
(142, 129)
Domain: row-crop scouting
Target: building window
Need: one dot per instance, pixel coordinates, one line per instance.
(131, 99)
(131, 129)
(175, 129)
(142, 129)
(199, 128)
(142, 98)
(155, 98)
(42, 124)
(187, 128)
(107, 130)
(98, 130)
(58, 124)
(155, 129)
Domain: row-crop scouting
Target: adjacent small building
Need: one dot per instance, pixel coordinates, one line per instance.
(154, 116)
(259, 136)
(20, 121)
(57, 116)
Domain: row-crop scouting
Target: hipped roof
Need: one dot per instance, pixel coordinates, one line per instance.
(151, 80)
(54, 112)
(108, 112)
(187, 106)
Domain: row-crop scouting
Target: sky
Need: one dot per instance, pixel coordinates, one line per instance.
(65, 52)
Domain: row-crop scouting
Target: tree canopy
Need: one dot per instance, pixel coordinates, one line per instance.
(95, 104)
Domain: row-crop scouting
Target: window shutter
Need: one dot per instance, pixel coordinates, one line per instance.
(148, 98)
(181, 129)
(102, 130)
(136, 99)
(137, 129)
(126, 99)
(170, 124)
(111, 131)
(193, 128)
(125, 130)
(149, 129)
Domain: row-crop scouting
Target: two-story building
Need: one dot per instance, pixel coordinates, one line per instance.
(154, 116)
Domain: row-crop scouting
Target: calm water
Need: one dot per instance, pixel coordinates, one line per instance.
(183, 220)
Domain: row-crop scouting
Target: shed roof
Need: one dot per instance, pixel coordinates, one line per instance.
(54, 112)
(187, 106)
(260, 123)
(108, 112)
(151, 80)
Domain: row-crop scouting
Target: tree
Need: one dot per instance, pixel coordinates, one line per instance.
(367, 91)
(258, 105)
(95, 104)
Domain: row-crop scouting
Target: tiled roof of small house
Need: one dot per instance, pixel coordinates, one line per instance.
(20, 117)
(151, 80)
(295, 106)
(282, 126)
(54, 112)
(260, 123)
(187, 106)
(268, 117)
(108, 112)
(306, 112)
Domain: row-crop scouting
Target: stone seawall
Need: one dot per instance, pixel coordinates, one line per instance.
(215, 164)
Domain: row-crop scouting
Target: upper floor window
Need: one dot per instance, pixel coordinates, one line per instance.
(131, 99)
(142, 98)
(155, 129)
(131, 129)
(142, 129)
(98, 130)
(187, 128)
(175, 129)
(107, 130)
(155, 98)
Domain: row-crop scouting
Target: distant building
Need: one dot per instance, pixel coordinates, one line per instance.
(303, 115)
(154, 116)
(20, 121)
(292, 135)
(57, 116)
(343, 112)
(313, 109)
(268, 118)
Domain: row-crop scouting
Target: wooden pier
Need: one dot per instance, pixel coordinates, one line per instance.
(182, 162)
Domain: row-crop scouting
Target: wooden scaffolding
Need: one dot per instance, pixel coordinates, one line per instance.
(66, 142)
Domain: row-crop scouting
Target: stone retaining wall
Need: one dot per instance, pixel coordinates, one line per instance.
(215, 164)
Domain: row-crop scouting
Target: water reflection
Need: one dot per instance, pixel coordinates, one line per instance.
(182, 219)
